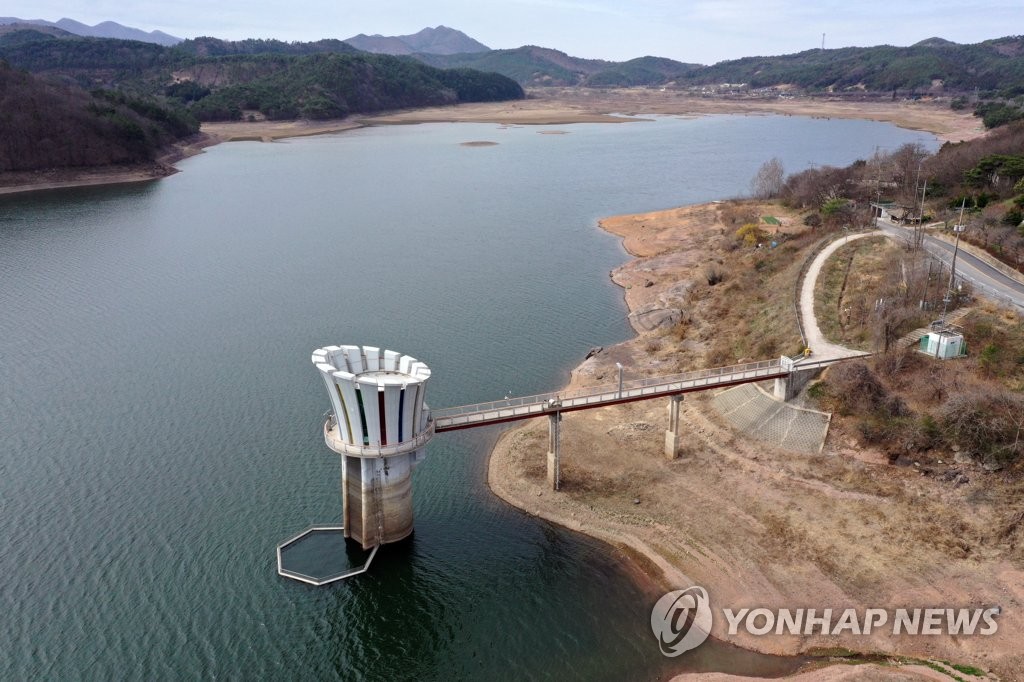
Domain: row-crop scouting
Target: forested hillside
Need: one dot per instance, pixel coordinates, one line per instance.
(994, 67)
(334, 86)
(219, 80)
(51, 125)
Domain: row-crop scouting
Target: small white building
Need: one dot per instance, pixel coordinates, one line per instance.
(944, 342)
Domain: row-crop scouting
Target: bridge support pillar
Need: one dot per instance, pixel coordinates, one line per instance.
(554, 451)
(672, 434)
(789, 387)
(782, 388)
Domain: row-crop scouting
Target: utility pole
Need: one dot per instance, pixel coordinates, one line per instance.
(958, 229)
(919, 229)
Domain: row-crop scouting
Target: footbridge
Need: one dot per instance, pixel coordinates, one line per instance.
(785, 371)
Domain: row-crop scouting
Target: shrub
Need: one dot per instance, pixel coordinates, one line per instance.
(986, 424)
(856, 388)
(834, 206)
(751, 235)
(714, 274)
(812, 220)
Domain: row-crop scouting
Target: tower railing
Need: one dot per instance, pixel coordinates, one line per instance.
(415, 443)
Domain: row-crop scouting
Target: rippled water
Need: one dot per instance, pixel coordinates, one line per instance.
(159, 416)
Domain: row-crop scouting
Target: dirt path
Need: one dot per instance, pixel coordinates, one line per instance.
(823, 349)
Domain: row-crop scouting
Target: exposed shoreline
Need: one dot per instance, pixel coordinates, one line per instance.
(714, 517)
(67, 178)
(543, 107)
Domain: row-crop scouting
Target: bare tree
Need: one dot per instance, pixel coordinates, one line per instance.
(769, 179)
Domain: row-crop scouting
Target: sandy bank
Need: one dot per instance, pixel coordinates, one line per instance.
(840, 673)
(558, 106)
(549, 106)
(757, 527)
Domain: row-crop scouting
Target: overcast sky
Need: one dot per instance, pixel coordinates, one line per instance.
(703, 31)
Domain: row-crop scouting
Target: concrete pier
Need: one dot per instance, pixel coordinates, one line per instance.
(788, 387)
(554, 451)
(672, 434)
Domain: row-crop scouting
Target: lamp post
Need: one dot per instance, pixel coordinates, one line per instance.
(618, 365)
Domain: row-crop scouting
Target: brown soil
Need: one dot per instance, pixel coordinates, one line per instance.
(755, 526)
(549, 106)
(840, 673)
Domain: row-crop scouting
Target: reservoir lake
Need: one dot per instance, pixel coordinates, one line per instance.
(160, 417)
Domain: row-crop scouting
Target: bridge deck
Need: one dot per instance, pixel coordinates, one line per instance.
(513, 409)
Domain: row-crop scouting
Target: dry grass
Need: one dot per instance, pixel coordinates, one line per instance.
(751, 314)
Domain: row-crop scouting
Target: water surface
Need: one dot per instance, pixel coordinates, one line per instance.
(160, 418)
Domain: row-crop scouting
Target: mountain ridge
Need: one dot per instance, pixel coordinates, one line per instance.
(440, 40)
(104, 29)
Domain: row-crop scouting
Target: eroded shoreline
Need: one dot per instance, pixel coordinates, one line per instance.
(543, 107)
(756, 527)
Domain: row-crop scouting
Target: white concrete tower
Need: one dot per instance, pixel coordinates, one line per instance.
(380, 427)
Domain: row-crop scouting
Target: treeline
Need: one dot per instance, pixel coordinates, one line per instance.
(326, 86)
(993, 67)
(215, 47)
(539, 66)
(220, 80)
(102, 59)
(985, 176)
(51, 125)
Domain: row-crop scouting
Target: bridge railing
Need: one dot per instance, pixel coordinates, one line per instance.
(629, 388)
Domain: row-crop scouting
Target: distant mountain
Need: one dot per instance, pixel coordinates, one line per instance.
(540, 66)
(528, 65)
(215, 79)
(934, 42)
(933, 64)
(107, 29)
(642, 71)
(30, 31)
(440, 40)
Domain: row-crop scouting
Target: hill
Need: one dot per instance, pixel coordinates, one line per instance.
(933, 64)
(226, 80)
(641, 71)
(323, 86)
(52, 125)
(540, 66)
(528, 65)
(440, 40)
(215, 47)
(106, 29)
(936, 65)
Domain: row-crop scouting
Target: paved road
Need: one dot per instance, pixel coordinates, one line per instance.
(986, 280)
